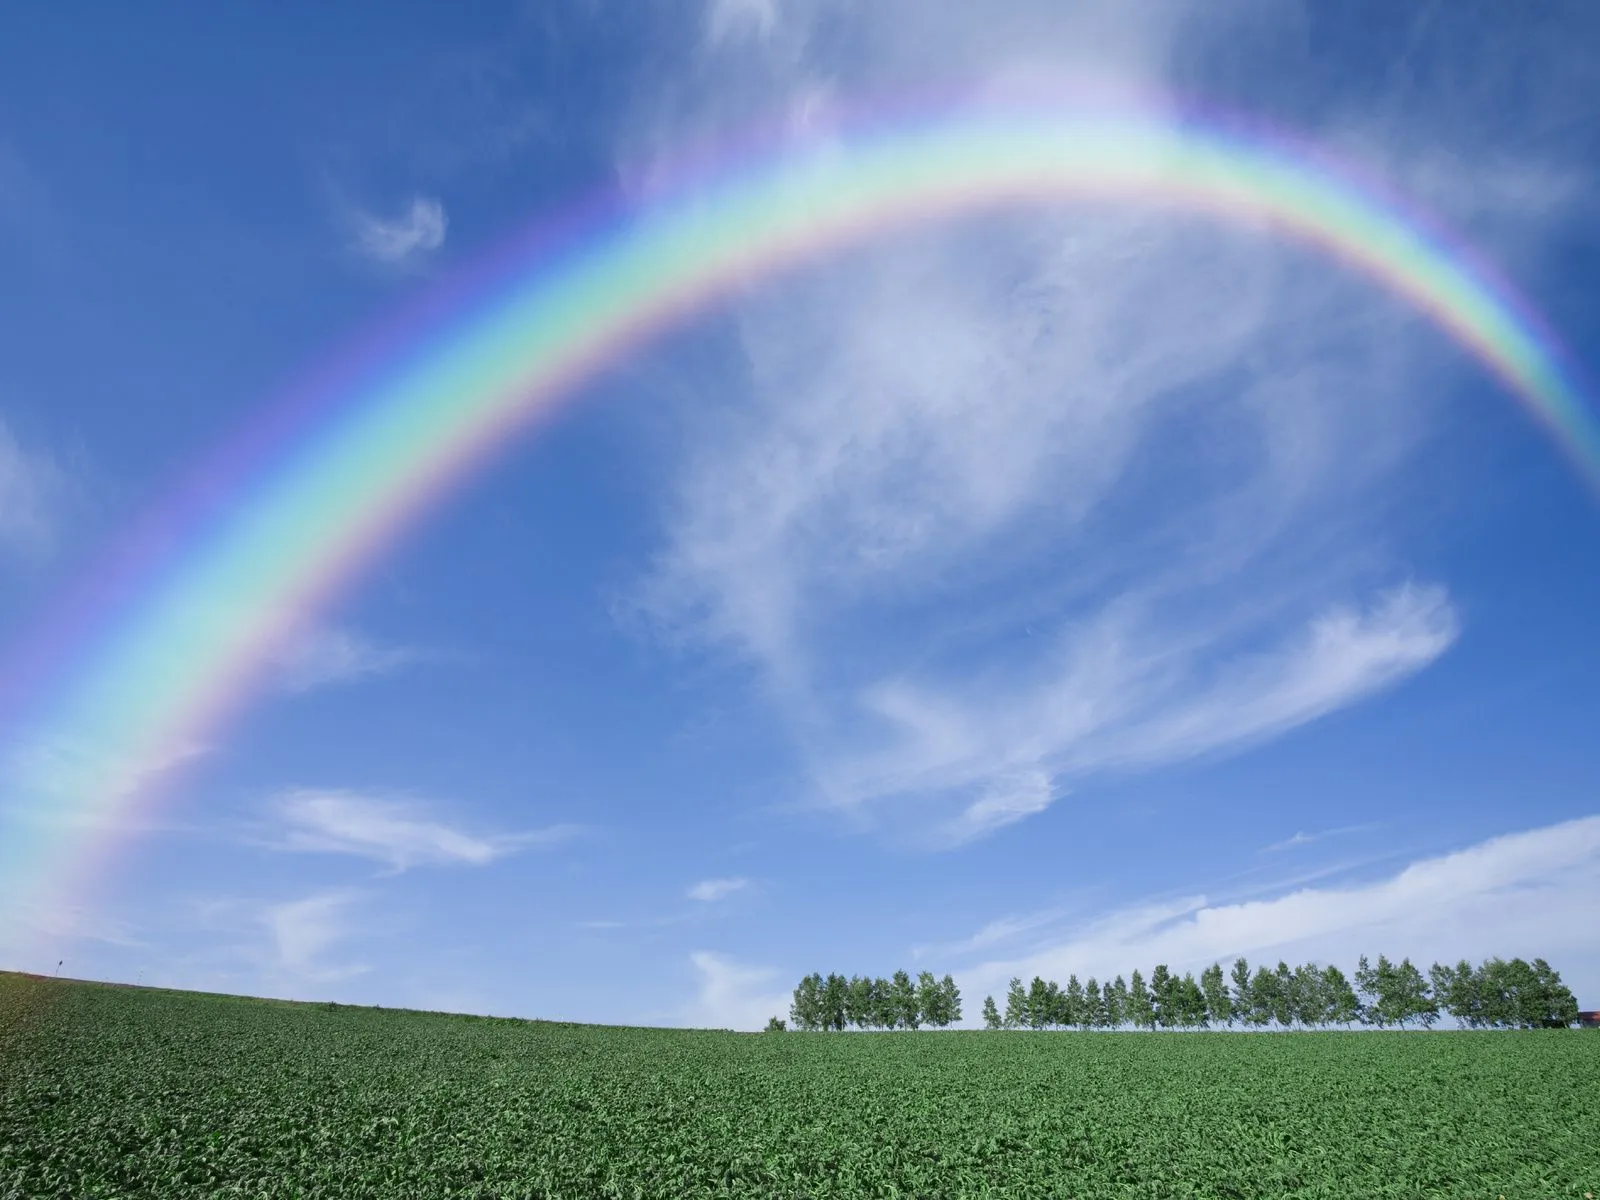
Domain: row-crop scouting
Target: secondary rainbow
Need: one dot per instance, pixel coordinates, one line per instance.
(166, 668)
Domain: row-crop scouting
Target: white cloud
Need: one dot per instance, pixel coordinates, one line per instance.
(729, 20)
(996, 932)
(715, 889)
(1511, 895)
(31, 492)
(1008, 502)
(1301, 838)
(303, 932)
(732, 996)
(414, 233)
(63, 781)
(328, 655)
(41, 930)
(393, 832)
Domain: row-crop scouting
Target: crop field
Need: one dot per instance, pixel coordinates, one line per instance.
(110, 1091)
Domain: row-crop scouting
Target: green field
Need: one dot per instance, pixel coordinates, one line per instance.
(111, 1091)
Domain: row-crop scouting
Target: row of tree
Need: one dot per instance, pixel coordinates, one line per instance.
(1497, 994)
(1493, 995)
(894, 1003)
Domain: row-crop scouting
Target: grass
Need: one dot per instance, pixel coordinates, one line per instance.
(113, 1091)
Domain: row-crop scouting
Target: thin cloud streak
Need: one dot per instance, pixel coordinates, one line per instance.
(331, 655)
(1301, 838)
(393, 832)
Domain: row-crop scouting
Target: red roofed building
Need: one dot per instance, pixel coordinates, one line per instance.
(1589, 1020)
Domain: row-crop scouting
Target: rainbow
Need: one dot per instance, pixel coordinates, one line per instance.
(186, 642)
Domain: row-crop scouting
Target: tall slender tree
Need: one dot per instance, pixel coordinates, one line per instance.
(1242, 1002)
(1283, 996)
(1072, 1010)
(835, 992)
(1041, 1002)
(1191, 1002)
(1117, 1003)
(1413, 1000)
(1016, 1004)
(1094, 1005)
(1367, 986)
(930, 999)
(1219, 1008)
(907, 1010)
(1263, 997)
(1141, 1010)
(950, 1000)
(884, 1006)
(1305, 989)
(858, 1002)
(991, 1014)
(1340, 997)
(1162, 998)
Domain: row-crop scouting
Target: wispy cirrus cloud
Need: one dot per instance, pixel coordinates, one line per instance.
(33, 488)
(709, 890)
(402, 239)
(303, 931)
(727, 20)
(1301, 838)
(397, 833)
(1011, 502)
(329, 655)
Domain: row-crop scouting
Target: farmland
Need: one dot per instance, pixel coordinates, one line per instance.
(108, 1091)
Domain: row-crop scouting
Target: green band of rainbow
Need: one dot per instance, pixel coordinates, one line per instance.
(176, 662)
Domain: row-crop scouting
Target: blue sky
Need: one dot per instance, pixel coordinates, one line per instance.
(1056, 590)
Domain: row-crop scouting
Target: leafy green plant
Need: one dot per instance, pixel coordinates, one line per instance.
(117, 1092)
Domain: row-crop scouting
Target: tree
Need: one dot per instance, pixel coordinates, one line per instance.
(930, 999)
(885, 1011)
(1305, 991)
(1219, 1009)
(835, 993)
(1055, 1004)
(1339, 997)
(858, 1007)
(1094, 1005)
(1191, 1001)
(806, 1009)
(1242, 1002)
(1283, 995)
(991, 1014)
(904, 992)
(1016, 1004)
(1141, 1011)
(1456, 991)
(1412, 1000)
(1263, 997)
(775, 1025)
(1556, 1006)
(1116, 1003)
(1161, 997)
(1040, 1003)
(949, 1000)
(1072, 1010)
(1367, 985)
